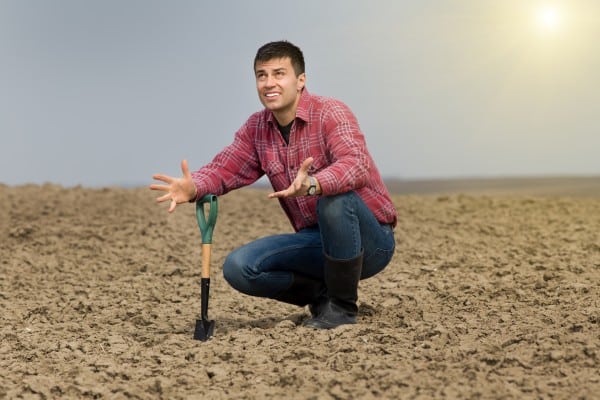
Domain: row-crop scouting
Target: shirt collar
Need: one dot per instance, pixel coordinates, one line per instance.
(303, 105)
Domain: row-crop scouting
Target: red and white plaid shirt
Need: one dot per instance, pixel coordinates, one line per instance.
(325, 129)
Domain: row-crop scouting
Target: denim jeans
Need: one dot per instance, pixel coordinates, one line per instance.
(265, 267)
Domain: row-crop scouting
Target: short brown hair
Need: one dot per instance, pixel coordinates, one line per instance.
(281, 49)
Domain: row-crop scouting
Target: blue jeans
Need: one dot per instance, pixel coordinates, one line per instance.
(265, 267)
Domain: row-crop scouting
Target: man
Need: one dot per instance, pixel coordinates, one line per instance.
(313, 152)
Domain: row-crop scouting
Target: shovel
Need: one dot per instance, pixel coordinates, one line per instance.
(204, 328)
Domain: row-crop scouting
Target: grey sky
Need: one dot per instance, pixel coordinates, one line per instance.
(109, 92)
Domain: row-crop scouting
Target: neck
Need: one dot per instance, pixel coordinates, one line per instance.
(285, 119)
(287, 115)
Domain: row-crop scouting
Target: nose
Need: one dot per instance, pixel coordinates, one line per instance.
(269, 81)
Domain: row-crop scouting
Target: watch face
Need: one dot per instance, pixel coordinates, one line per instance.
(312, 189)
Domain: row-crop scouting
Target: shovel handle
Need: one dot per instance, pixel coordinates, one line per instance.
(207, 225)
(206, 247)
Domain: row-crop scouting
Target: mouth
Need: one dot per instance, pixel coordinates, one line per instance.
(271, 95)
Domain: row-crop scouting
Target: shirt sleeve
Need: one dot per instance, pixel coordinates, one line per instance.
(350, 162)
(233, 167)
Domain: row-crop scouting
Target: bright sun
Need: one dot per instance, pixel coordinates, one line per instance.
(548, 18)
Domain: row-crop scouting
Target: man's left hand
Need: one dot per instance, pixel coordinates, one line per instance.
(299, 186)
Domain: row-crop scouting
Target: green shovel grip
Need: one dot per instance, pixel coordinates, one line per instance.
(207, 225)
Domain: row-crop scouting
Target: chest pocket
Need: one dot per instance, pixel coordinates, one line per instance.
(275, 171)
(273, 167)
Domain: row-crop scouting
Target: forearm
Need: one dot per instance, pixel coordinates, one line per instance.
(349, 171)
(217, 179)
(333, 181)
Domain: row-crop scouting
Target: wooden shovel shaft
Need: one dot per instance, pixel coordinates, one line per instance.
(206, 248)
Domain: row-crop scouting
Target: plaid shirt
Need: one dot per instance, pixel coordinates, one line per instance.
(324, 129)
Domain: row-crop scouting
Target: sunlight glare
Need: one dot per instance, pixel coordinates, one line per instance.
(548, 18)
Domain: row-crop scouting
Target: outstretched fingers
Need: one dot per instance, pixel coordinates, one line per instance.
(172, 206)
(306, 165)
(297, 187)
(163, 178)
(185, 170)
(164, 197)
(163, 188)
(178, 190)
(283, 193)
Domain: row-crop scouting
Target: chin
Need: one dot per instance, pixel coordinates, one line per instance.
(272, 107)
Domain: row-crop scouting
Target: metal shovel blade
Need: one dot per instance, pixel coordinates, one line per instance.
(204, 328)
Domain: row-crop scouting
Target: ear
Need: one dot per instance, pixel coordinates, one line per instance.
(301, 81)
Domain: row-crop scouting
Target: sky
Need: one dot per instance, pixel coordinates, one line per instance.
(109, 92)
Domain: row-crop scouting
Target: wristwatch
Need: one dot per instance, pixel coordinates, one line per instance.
(312, 189)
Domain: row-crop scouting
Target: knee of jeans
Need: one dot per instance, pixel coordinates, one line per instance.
(332, 208)
(232, 270)
(239, 274)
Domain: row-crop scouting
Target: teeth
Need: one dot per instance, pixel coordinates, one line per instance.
(271, 94)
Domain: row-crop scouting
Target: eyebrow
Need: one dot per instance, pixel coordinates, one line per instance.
(262, 70)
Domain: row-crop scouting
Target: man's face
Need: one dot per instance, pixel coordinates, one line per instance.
(278, 86)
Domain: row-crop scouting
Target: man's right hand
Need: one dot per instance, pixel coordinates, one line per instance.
(179, 190)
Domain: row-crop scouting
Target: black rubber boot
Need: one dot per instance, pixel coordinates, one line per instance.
(317, 306)
(341, 278)
(303, 291)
